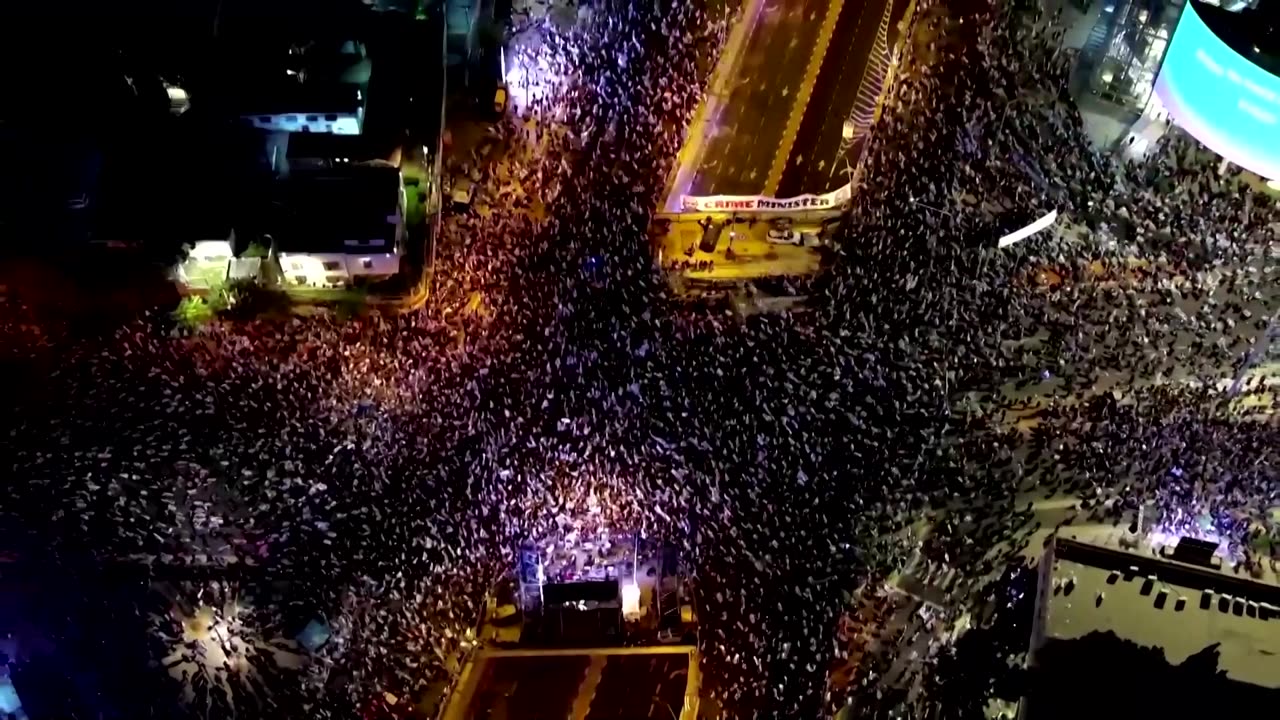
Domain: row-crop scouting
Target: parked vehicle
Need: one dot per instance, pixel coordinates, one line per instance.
(785, 237)
(710, 236)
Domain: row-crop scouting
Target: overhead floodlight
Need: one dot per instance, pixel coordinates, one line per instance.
(1029, 230)
(630, 600)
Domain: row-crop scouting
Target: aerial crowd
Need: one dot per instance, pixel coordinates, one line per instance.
(374, 476)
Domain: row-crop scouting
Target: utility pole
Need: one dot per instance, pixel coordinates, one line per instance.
(930, 207)
(217, 18)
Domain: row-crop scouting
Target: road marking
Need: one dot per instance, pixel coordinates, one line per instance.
(866, 104)
(802, 97)
(562, 652)
(690, 155)
(587, 689)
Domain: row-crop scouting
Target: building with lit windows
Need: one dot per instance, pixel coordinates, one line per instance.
(316, 87)
(348, 108)
(1165, 630)
(1213, 70)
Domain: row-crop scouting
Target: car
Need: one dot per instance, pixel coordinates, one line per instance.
(785, 236)
(710, 236)
(462, 191)
(500, 98)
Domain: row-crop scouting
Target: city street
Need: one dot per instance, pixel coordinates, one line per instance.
(815, 163)
(744, 133)
(263, 515)
(774, 128)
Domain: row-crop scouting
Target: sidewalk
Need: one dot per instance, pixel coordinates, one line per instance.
(753, 256)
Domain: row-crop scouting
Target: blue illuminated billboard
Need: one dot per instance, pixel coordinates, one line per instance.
(1221, 98)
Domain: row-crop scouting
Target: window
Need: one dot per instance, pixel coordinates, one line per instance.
(313, 118)
(331, 117)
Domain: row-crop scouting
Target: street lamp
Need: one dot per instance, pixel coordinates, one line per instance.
(843, 154)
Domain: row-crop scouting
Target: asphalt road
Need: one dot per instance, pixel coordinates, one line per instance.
(814, 164)
(748, 130)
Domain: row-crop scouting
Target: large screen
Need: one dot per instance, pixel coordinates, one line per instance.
(1221, 98)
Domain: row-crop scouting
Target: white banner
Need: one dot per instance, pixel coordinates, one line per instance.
(1028, 231)
(758, 203)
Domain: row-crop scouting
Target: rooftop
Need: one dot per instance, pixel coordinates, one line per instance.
(1120, 626)
(327, 207)
(1182, 611)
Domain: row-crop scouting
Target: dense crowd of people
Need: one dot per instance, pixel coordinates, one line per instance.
(375, 476)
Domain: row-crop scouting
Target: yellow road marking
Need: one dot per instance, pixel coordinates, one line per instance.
(690, 154)
(802, 97)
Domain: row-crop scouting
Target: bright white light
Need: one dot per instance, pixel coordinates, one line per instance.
(224, 639)
(630, 600)
(221, 636)
(529, 79)
(211, 250)
(1274, 184)
(309, 268)
(346, 126)
(9, 702)
(302, 269)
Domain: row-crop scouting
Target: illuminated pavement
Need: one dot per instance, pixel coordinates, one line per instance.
(644, 683)
(776, 127)
(223, 641)
(743, 136)
(814, 163)
(753, 255)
